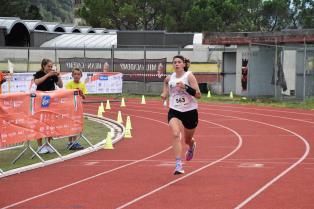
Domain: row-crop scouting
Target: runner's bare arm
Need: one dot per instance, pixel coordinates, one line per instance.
(165, 91)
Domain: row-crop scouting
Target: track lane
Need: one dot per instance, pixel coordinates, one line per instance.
(300, 151)
(48, 198)
(219, 174)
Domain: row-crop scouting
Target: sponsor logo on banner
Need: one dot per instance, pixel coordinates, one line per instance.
(103, 77)
(95, 82)
(53, 118)
(45, 101)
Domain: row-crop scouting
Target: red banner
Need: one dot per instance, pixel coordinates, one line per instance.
(25, 116)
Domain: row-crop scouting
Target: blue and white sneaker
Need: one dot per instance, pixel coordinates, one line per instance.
(50, 150)
(43, 150)
(75, 146)
(190, 152)
(179, 169)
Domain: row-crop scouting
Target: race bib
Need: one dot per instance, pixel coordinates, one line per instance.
(181, 100)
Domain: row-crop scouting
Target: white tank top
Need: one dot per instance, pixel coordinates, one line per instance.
(180, 100)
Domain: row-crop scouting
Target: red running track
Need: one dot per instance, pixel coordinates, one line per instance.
(247, 157)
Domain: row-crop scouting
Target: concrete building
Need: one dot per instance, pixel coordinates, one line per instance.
(277, 64)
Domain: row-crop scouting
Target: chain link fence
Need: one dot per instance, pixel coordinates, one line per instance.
(139, 63)
(281, 72)
(256, 70)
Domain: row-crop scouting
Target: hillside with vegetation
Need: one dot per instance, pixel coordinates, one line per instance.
(50, 11)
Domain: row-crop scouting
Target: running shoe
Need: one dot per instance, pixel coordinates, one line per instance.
(50, 150)
(179, 169)
(75, 146)
(70, 145)
(189, 154)
(43, 150)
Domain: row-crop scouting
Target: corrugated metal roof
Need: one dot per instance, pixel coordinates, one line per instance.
(71, 28)
(100, 30)
(86, 29)
(31, 25)
(54, 27)
(35, 25)
(9, 22)
(82, 41)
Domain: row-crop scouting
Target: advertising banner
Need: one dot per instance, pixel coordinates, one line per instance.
(85, 64)
(148, 70)
(96, 82)
(25, 116)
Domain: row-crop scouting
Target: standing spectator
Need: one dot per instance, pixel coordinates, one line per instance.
(2, 80)
(76, 84)
(160, 70)
(182, 89)
(45, 79)
(106, 67)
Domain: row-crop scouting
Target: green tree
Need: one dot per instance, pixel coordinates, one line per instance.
(275, 15)
(13, 8)
(249, 16)
(32, 13)
(123, 14)
(57, 10)
(174, 14)
(199, 15)
(304, 13)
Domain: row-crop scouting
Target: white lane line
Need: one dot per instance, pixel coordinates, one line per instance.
(261, 109)
(223, 108)
(276, 178)
(247, 108)
(261, 114)
(89, 178)
(90, 163)
(83, 180)
(251, 165)
(191, 173)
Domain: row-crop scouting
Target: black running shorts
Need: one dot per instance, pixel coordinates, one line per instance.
(189, 119)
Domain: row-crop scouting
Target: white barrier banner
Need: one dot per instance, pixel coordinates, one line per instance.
(96, 83)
